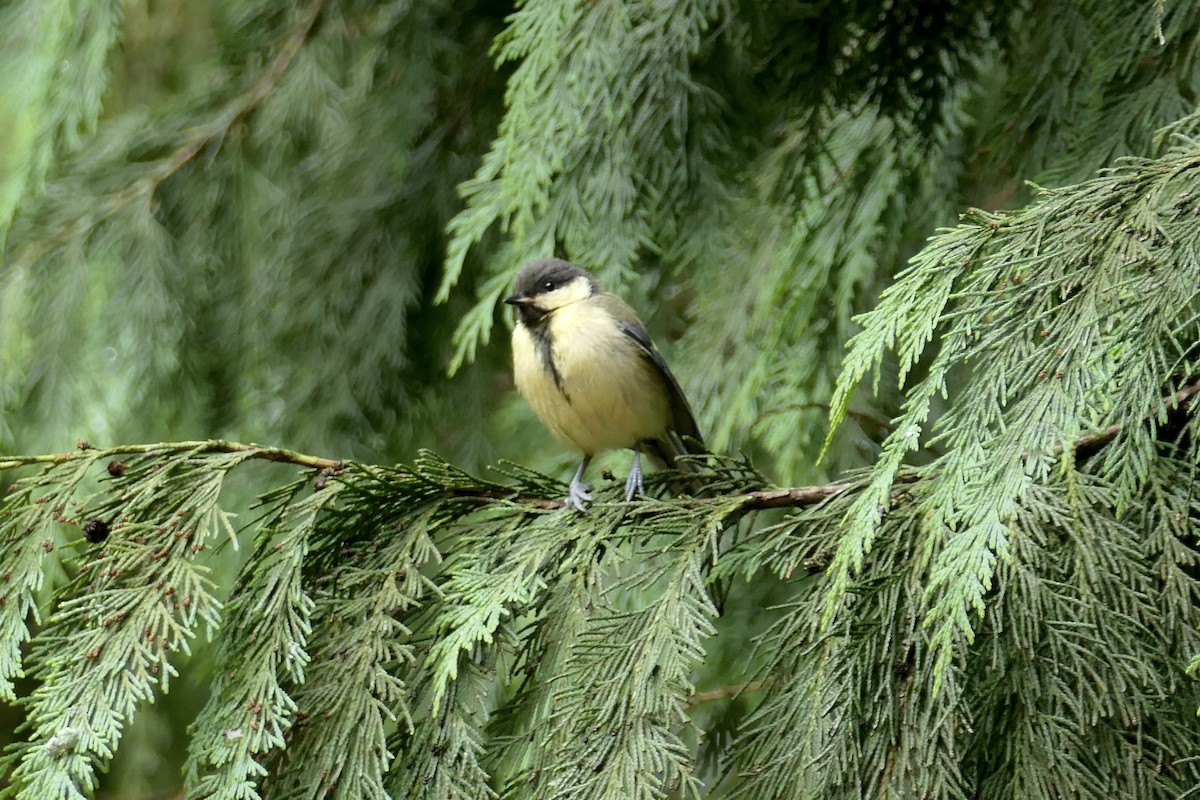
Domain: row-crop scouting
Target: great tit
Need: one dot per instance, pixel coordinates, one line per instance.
(584, 362)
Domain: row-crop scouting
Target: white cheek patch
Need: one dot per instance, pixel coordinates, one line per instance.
(573, 292)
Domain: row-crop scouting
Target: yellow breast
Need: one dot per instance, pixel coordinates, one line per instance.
(608, 394)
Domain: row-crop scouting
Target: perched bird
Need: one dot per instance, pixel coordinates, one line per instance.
(584, 362)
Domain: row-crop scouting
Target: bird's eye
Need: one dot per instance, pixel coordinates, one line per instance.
(548, 286)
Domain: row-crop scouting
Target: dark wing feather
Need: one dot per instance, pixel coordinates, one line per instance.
(683, 422)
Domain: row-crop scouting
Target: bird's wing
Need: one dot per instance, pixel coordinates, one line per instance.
(683, 421)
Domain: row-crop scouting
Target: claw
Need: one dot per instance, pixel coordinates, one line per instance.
(634, 486)
(578, 495)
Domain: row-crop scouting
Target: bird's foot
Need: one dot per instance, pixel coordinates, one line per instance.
(578, 496)
(634, 484)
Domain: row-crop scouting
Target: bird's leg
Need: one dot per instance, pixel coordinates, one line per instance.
(633, 484)
(577, 495)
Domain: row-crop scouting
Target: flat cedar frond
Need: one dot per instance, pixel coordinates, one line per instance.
(136, 600)
(1044, 309)
(411, 631)
(245, 720)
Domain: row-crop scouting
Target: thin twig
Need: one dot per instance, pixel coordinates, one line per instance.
(725, 691)
(863, 417)
(278, 454)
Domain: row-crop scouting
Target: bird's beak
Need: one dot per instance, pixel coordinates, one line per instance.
(518, 300)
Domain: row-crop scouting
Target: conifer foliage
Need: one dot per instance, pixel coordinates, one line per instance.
(297, 219)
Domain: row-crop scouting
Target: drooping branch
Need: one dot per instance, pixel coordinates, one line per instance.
(197, 138)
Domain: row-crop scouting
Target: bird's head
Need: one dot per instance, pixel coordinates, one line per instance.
(548, 284)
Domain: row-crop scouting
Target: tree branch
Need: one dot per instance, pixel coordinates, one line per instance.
(1084, 447)
(786, 497)
(1087, 446)
(278, 454)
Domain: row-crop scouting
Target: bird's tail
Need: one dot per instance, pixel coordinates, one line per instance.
(673, 451)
